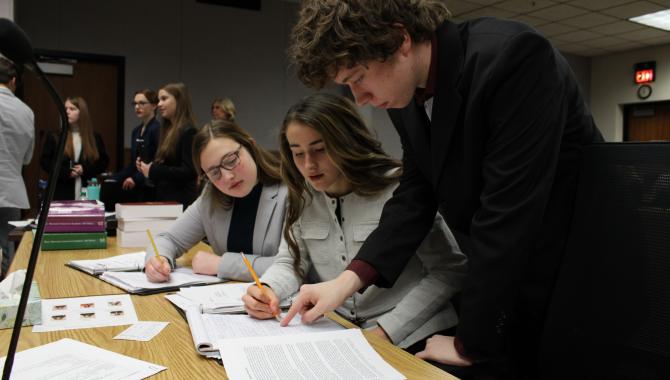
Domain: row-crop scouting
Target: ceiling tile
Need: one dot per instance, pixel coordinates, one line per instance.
(488, 12)
(484, 2)
(604, 42)
(629, 10)
(588, 20)
(583, 27)
(554, 29)
(558, 12)
(644, 34)
(524, 6)
(589, 51)
(457, 7)
(660, 41)
(663, 3)
(617, 27)
(628, 45)
(530, 20)
(577, 36)
(598, 4)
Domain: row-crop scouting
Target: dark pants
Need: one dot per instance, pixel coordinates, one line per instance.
(7, 214)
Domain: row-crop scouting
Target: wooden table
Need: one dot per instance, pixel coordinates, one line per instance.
(173, 347)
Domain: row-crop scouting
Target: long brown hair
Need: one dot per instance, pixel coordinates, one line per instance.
(350, 146)
(266, 162)
(89, 149)
(171, 129)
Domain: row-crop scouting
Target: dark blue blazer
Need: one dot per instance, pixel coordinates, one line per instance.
(150, 137)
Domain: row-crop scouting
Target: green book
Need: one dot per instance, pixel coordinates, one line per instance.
(74, 240)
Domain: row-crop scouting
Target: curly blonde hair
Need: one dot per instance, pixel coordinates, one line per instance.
(331, 34)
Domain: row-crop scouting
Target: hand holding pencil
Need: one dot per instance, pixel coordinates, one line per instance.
(157, 268)
(260, 301)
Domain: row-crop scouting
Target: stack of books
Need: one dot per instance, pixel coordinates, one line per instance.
(134, 219)
(75, 225)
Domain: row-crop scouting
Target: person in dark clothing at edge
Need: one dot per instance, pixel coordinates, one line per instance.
(492, 125)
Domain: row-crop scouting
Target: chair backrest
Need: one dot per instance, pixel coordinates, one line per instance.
(610, 314)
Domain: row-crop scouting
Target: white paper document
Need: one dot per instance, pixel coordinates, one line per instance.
(68, 359)
(137, 282)
(217, 299)
(143, 331)
(86, 312)
(20, 223)
(121, 263)
(344, 355)
(207, 329)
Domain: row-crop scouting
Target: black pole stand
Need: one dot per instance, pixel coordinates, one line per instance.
(16, 46)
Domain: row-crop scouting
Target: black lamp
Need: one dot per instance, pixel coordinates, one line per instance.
(15, 45)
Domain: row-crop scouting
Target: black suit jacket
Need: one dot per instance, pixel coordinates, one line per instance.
(148, 151)
(65, 184)
(499, 161)
(175, 179)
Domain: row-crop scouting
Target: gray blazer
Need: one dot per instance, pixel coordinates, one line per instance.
(204, 219)
(417, 306)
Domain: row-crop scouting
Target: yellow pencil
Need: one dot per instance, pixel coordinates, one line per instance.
(153, 244)
(258, 282)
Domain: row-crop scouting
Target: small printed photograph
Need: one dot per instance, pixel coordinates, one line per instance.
(116, 313)
(58, 317)
(60, 307)
(114, 303)
(87, 315)
(87, 305)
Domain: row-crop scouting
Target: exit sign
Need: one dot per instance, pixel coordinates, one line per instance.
(645, 72)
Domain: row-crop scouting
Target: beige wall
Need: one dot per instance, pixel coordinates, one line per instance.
(612, 86)
(217, 51)
(7, 9)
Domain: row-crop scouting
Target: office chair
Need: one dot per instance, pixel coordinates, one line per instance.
(609, 317)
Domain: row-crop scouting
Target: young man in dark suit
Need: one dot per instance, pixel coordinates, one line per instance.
(492, 124)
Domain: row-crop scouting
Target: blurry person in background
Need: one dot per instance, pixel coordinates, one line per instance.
(17, 141)
(172, 170)
(85, 156)
(223, 109)
(143, 145)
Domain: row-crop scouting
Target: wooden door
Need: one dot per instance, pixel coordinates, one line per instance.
(99, 80)
(647, 122)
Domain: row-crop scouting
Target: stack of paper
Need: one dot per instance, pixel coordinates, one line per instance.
(121, 263)
(134, 219)
(137, 282)
(208, 329)
(216, 299)
(342, 354)
(70, 359)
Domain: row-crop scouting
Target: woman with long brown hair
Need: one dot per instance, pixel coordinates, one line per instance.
(172, 171)
(339, 178)
(240, 210)
(85, 156)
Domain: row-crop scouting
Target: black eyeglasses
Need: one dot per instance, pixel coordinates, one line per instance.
(228, 162)
(141, 104)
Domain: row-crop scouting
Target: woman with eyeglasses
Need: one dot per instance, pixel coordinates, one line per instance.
(143, 145)
(339, 179)
(85, 155)
(240, 210)
(171, 170)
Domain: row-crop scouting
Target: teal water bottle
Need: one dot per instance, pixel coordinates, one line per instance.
(93, 189)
